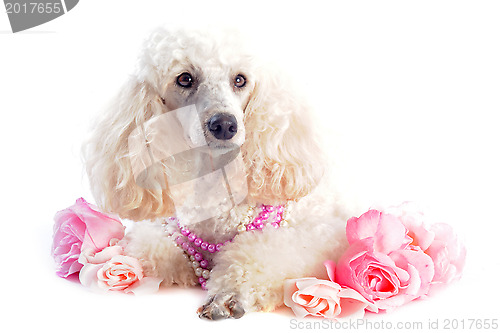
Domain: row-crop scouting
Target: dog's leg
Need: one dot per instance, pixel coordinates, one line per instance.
(157, 252)
(249, 273)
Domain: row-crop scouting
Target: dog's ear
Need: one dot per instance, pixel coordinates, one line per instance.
(283, 156)
(114, 168)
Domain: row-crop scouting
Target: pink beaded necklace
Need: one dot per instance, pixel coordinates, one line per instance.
(194, 246)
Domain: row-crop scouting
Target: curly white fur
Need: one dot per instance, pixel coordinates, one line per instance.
(283, 160)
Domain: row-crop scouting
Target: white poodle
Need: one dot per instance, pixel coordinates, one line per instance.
(199, 104)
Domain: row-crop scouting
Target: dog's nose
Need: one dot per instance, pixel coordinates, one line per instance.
(223, 126)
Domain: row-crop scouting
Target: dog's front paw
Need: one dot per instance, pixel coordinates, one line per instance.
(221, 306)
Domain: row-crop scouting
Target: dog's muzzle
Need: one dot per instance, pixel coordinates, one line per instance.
(223, 126)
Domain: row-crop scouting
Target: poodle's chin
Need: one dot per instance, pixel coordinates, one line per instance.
(222, 146)
(208, 141)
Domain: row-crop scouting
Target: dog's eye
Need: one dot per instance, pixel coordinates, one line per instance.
(185, 80)
(239, 81)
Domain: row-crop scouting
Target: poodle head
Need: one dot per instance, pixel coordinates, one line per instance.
(209, 71)
(206, 91)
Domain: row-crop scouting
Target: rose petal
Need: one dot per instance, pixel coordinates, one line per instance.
(345, 272)
(448, 254)
(147, 285)
(416, 263)
(88, 275)
(311, 296)
(387, 231)
(318, 288)
(413, 219)
(353, 304)
(391, 234)
(100, 227)
(330, 269)
(100, 257)
(290, 288)
(362, 227)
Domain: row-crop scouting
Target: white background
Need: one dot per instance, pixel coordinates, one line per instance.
(411, 92)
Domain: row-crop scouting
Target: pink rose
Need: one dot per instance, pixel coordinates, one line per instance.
(381, 264)
(78, 227)
(111, 270)
(447, 252)
(438, 240)
(387, 231)
(413, 220)
(322, 298)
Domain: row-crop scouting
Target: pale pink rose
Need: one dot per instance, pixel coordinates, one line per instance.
(110, 270)
(447, 252)
(78, 227)
(119, 273)
(381, 264)
(323, 298)
(439, 241)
